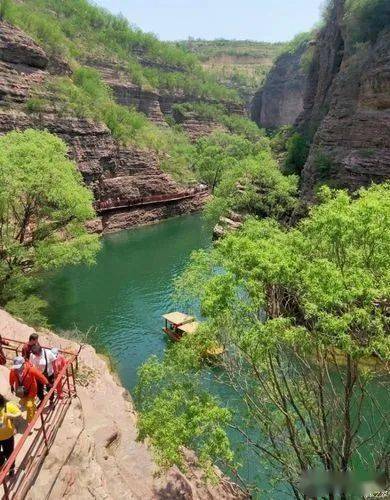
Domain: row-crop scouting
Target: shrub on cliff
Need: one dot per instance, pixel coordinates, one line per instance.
(255, 186)
(241, 125)
(297, 149)
(365, 19)
(79, 31)
(43, 208)
(204, 111)
(87, 96)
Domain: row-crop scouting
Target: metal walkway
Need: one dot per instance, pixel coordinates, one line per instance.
(33, 446)
(121, 203)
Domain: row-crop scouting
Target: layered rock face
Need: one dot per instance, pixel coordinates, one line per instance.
(109, 169)
(347, 109)
(157, 106)
(196, 126)
(128, 94)
(280, 100)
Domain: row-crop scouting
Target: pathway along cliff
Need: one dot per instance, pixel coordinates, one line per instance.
(94, 453)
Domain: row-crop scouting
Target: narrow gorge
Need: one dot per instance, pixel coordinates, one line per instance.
(244, 183)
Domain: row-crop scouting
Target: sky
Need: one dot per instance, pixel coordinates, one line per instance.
(263, 20)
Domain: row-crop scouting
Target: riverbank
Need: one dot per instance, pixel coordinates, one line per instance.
(95, 453)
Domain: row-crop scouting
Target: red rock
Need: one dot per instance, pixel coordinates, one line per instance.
(108, 168)
(347, 109)
(18, 48)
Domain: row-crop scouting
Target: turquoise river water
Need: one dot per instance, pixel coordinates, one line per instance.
(120, 300)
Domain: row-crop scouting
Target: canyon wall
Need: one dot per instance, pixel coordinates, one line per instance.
(338, 99)
(108, 168)
(280, 100)
(346, 113)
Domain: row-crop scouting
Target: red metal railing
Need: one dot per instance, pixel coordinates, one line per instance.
(118, 203)
(33, 446)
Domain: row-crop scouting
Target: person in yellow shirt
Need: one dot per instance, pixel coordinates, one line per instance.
(8, 412)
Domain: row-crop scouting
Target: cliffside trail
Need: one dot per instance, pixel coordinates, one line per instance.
(95, 453)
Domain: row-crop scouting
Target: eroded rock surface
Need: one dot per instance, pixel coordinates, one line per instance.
(95, 453)
(108, 168)
(280, 100)
(347, 109)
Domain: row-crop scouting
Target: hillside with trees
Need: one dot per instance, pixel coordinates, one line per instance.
(239, 64)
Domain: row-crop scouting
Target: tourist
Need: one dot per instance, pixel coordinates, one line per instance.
(3, 358)
(8, 412)
(26, 350)
(43, 359)
(58, 365)
(23, 379)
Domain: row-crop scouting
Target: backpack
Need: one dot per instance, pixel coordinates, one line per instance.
(22, 391)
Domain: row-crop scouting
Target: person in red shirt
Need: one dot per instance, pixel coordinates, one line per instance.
(58, 365)
(26, 349)
(23, 379)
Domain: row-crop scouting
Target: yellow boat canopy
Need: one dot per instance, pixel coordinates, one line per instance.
(178, 318)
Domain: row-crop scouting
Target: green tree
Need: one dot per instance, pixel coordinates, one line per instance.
(255, 186)
(43, 208)
(175, 412)
(300, 313)
(218, 153)
(297, 151)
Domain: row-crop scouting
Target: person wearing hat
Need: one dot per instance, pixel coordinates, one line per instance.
(58, 365)
(24, 379)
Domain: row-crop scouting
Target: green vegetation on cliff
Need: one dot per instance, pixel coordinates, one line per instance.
(297, 310)
(203, 111)
(255, 186)
(240, 64)
(77, 30)
(365, 19)
(43, 208)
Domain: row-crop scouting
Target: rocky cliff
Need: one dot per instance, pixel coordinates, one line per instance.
(346, 111)
(280, 100)
(95, 453)
(107, 167)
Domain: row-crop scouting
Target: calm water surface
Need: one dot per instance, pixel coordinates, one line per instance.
(121, 298)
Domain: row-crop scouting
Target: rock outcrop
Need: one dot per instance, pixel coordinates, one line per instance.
(95, 454)
(280, 100)
(196, 126)
(347, 109)
(228, 224)
(108, 168)
(128, 94)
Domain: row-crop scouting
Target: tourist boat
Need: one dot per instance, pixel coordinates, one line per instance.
(178, 324)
